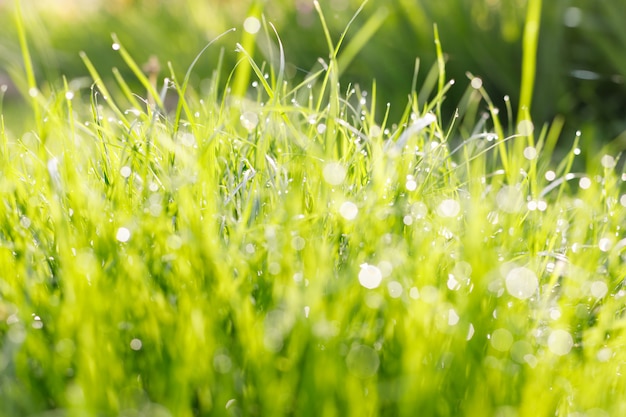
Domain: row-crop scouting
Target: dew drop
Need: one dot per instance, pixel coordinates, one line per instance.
(598, 289)
(69, 95)
(123, 234)
(125, 171)
(116, 46)
(249, 120)
(136, 344)
(476, 83)
(584, 183)
(449, 208)
(370, 276)
(521, 283)
(550, 175)
(251, 25)
(560, 342)
(605, 244)
(395, 289)
(530, 153)
(348, 210)
(608, 161)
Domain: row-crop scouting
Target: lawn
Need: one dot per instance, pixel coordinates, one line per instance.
(295, 251)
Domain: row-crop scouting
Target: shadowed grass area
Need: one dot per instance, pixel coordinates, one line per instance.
(296, 253)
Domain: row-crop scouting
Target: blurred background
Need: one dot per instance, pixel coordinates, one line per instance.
(581, 60)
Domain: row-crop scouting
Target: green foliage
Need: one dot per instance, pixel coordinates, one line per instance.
(296, 252)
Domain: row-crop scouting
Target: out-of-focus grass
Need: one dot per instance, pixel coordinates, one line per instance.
(297, 253)
(579, 75)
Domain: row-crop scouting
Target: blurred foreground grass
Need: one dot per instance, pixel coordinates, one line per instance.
(298, 253)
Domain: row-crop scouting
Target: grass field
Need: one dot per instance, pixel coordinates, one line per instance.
(294, 253)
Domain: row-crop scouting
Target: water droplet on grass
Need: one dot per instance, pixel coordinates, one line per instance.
(476, 83)
(521, 283)
(605, 244)
(123, 234)
(560, 342)
(449, 208)
(370, 276)
(136, 344)
(69, 95)
(395, 289)
(116, 46)
(251, 25)
(598, 289)
(530, 153)
(125, 171)
(348, 210)
(584, 183)
(249, 120)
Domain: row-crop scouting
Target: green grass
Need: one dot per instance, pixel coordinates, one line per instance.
(294, 253)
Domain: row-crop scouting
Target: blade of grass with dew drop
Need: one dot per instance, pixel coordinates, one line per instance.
(241, 79)
(126, 90)
(136, 70)
(103, 89)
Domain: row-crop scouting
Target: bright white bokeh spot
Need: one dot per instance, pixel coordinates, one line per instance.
(69, 95)
(414, 293)
(530, 153)
(476, 83)
(560, 342)
(453, 317)
(386, 268)
(411, 184)
(449, 208)
(252, 25)
(604, 354)
(521, 283)
(577, 151)
(321, 128)
(584, 183)
(572, 17)
(348, 210)
(622, 200)
(33, 92)
(501, 340)
(470, 332)
(395, 289)
(249, 120)
(125, 171)
(122, 235)
(608, 161)
(550, 175)
(510, 199)
(605, 244)
(334, 173)
(370, 276)
(598, 289)
(375, 131)
(116, 46)
(525, 127)
(298, 243)
(136, 344)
